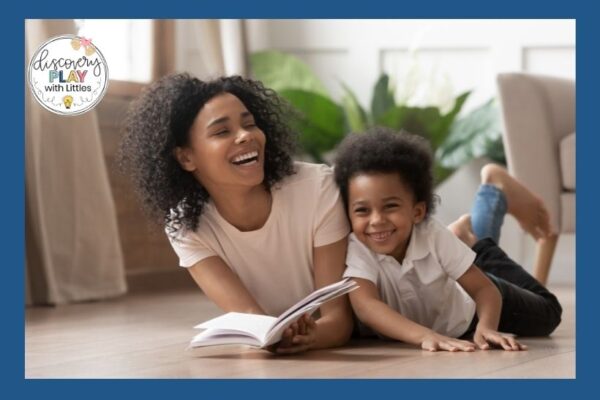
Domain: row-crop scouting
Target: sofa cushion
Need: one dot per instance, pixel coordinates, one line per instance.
(567, 214)
(567, 161)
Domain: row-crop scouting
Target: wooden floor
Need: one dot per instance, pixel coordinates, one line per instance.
(145, 336)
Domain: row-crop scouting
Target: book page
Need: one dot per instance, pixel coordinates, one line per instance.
(263, 330)
(252, 324)
(327, 292)
(217, 337)
(308, 305)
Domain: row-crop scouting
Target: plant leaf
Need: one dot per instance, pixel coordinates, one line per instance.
(278, 71)
(417, 120)
(476, 134)
(423, 121)
(383, 97)
(392, 118)
(322, 121)
(442, 129)
(356, 117)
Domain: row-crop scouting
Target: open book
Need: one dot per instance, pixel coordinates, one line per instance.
(263, 330)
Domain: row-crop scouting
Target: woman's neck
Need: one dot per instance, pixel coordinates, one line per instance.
(247, 209)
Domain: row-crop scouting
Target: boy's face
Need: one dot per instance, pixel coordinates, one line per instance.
(382, 211)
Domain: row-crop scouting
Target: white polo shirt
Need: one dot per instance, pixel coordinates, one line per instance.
(423, 288)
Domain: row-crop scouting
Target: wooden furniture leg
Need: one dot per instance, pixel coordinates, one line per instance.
(543, 260)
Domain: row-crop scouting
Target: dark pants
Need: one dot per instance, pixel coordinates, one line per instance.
(528, 308)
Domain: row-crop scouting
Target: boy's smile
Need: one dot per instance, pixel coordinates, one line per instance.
(381, 236)
(383, 211)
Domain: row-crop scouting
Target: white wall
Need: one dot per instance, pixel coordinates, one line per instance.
(457, 54)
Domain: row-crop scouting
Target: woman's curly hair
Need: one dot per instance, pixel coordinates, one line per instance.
(159, 120)
(382, 150)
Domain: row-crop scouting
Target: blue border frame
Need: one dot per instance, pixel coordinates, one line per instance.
(13, 201)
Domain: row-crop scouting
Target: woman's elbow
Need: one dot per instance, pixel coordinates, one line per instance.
(348, 329)
(344, 328)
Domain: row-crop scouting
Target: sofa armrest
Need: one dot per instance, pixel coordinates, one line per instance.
(529, 141)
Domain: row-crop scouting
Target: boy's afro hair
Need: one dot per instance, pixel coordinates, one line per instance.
(382, 150)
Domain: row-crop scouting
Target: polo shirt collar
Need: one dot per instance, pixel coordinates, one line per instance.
(418, 247)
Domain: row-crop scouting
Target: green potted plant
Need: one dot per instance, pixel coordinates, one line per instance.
(323, 122)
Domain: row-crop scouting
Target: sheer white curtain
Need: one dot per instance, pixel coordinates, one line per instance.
(219, 47)
(73, 252)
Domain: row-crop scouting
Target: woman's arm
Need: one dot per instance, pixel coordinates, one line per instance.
(489, 306)
(382, 318)
(223, 286)
(335, 325)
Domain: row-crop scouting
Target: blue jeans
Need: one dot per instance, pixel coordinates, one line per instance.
(528, 308)
(488, 211)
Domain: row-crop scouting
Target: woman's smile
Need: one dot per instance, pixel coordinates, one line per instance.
(227, 146)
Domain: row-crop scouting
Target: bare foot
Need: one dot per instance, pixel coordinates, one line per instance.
(463, 230)
(523, 204)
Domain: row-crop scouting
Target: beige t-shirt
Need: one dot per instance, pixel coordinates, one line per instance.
(275, 262)
(423, 288)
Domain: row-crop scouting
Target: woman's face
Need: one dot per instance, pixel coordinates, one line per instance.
(226, 148)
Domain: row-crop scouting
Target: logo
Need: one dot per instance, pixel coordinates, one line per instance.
(68, 75)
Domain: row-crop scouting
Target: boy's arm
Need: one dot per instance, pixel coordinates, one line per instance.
(382, 318)
(489, 306)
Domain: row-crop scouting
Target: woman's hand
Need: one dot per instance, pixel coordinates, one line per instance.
(299, 337)
(484, 337)
(435, 341)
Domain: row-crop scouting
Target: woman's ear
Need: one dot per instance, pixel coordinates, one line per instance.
(182, 155)
(419, 212)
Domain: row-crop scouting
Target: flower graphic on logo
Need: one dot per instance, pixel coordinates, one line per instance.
(80, 42)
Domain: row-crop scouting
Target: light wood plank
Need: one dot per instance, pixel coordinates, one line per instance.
(145, 336)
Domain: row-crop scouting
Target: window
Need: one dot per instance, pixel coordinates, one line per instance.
(126, 44)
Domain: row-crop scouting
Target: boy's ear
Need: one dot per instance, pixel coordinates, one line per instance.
(419, 212)
(182, 155)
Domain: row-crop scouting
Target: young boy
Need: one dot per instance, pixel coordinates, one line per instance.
(420, 282)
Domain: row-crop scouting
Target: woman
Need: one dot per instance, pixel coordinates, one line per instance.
(257, 231)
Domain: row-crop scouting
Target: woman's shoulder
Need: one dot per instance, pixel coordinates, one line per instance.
(308, 173)
(312, 170)
(207, 222)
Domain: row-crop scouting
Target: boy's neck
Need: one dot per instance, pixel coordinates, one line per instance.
(400, 252)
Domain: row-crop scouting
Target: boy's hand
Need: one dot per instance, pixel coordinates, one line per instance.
(435, 341)
(299, 337)
(484, 337)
